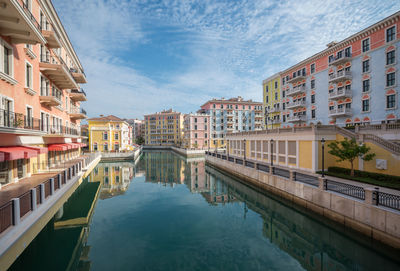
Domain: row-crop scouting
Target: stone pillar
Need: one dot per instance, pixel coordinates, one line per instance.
(292, 175)
(322, 184)
(16, 211)
(42, 198)
(371, 195)
(69, 173)
(271, 170)
(33, 199)
(51, 186)
(59, 181)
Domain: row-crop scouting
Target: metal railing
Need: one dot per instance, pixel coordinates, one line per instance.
(249, 164)
(17, 120)
(304, 178)
(345, 189)
(389, 200)
(30, 15)
(282, 172)
(78, 91)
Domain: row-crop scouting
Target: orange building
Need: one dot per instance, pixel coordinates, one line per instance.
(40, 95)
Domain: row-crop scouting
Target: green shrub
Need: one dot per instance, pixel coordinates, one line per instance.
(366, 174)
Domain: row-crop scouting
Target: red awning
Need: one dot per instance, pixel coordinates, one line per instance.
(39, 150)
(17, 152)
(58, 147)
(1, 156)
(74, 145)
(82, 144)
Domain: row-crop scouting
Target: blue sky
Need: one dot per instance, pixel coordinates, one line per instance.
(144, 56)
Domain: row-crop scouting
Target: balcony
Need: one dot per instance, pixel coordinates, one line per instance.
(295, 90)
(78, 75)
(296, 79)
(274, 110)
(340, 112)
(77, 113)
(49, 100)
(340, 93)
(18, 23)
(298, 118)
(51, 35)
(296, 104)
(340, 60)
(78, 95)
(340, 76)
(57, 71)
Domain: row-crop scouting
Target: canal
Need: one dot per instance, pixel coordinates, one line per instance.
(168, 213)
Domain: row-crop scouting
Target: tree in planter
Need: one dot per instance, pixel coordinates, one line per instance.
(139, 140)
(195, 145)
(349, 150)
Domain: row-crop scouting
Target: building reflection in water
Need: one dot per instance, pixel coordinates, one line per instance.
(164, 167)
(114, 177)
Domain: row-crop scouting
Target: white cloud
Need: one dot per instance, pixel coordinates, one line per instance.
(227, 47)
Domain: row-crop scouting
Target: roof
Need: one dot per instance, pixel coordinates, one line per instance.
(107, 118)
(235, 100)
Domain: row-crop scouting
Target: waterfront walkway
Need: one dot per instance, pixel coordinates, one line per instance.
(15, 190)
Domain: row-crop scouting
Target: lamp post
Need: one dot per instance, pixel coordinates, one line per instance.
(323, 156)
(272, 152)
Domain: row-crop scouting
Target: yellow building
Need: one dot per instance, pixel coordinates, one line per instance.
(272, 101)
(109, 133)
(164, 128)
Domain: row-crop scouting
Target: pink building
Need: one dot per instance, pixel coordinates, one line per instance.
(197, 131)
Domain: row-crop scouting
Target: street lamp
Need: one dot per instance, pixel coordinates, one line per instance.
(323, 156)
(272, 152)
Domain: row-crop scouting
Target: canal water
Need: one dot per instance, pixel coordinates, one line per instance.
(168, 213)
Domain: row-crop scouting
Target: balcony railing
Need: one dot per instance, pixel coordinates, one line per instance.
(340, 112)
(78, 95)
(296, 104)
(340, 59)
(297, 78)
(50, 99)
(340, 93)
(77, 113)
(29, 14)
(295, 90)
(9, 119)
(296, 118)
(339, 76)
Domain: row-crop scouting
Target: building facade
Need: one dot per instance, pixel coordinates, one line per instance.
(196, 131)
(40, 94)
(272, 101)
(232, 115)
(137, 127)
(352, 82)
(109, 133)
(164, 128)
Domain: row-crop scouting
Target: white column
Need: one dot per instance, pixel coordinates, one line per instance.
(315, 155)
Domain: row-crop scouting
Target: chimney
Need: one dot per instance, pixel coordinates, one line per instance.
(101, 115)
(331, 44)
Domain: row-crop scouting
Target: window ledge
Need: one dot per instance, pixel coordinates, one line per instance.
(30, 53)
(391, 65)
(30, 91)
(388, 87)
(7, 78)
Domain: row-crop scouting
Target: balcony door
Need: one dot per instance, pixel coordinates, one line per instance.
(6, 107)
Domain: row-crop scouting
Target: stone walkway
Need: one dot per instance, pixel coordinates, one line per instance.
(15, 190)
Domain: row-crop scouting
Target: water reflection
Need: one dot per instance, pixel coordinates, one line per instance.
(279, 232)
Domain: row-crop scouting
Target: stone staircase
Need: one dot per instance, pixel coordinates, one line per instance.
(390, 146)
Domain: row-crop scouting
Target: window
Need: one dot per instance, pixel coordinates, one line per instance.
(116, 136)
(284, 106)
(116, 146)
(339, 54)
(348, 105)
(95, 146)
(195, 127)
(331, 58)
(284, 118)
(390, 79)
(365, 105)
(313, 98)
(276, 95)
(283, 81)
(365, 45)
(366, 85)
(390, 101)
(365, 66)
(312, 84)
(313, 113)
(276, 84)
(29, 117)
(105, 136)
(105, 147)
(390, 57)
(205, 120)
(7, 60)
(28, 75)
(266, 99)
(312, 68)
(266, 89)
(222, 106)
(195, 119)
(195, 135)
(390, 34)
(347, 52)
(303, 72)
(213, 105)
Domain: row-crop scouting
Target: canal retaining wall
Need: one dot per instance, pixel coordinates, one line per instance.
(379, 223)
